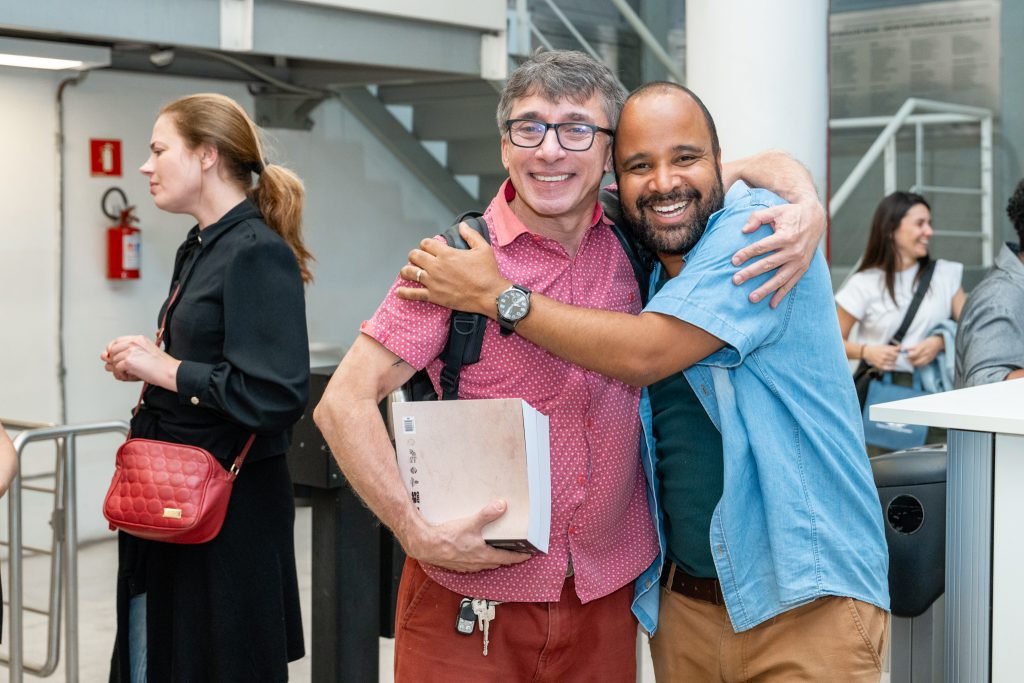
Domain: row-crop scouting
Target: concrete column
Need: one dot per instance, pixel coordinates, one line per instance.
(761, 69)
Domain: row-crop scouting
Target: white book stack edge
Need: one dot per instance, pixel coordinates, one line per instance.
(455, 457)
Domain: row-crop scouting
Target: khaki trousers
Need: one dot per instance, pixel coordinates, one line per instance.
(829, 639)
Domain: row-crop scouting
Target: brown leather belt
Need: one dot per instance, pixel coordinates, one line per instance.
(678, 581)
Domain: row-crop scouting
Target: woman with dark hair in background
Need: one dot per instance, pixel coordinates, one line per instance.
(877, 296)
(235, 363)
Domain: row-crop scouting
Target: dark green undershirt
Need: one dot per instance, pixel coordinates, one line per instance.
(689, 462)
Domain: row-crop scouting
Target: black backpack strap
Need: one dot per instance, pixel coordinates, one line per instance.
(613, 211)
(465, 330)
(472, 218)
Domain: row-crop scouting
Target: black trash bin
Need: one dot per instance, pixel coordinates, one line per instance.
(912, 490)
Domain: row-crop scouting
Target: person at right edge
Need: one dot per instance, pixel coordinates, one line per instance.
(8, 471)
(990, 340)
(772, 557)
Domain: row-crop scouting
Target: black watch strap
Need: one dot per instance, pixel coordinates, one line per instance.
(509, 326)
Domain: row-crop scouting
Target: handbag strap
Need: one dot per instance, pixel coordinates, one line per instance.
(915, 303)
(159, 340)
(236, 465)
(167, 310)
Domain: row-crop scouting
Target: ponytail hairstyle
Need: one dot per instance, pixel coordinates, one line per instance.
(881, 249)
(219, 121)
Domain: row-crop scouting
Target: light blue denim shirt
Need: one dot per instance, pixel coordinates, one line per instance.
(799, 516)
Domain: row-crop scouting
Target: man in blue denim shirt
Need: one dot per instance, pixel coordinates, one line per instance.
(798, 520)
(773, 560)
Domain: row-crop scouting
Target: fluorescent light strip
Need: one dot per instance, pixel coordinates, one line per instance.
(45, 54)
(40, 62)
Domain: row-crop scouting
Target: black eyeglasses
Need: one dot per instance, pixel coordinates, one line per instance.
(573, 136)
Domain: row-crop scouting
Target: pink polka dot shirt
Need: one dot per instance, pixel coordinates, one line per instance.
(599, 505)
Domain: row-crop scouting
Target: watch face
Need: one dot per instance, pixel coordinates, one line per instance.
(513, 305)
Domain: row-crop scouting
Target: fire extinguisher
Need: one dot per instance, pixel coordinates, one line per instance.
(124, 241)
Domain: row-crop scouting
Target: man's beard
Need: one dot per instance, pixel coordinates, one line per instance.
(678, 238)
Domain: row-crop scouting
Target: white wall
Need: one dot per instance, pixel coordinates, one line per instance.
(364, 211)
(28, 230)
(761, 94)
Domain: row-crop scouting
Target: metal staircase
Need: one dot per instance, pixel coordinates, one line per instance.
(460, 113)
(454, 119)
(965, 185)
(419, 77)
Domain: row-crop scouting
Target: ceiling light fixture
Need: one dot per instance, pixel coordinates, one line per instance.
(43, 54)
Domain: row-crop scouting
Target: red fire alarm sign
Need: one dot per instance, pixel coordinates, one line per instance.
(105, 158)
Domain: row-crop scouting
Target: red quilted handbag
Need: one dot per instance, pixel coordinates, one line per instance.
(169, 492)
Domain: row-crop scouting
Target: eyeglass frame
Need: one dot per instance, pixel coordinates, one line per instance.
(595, 129)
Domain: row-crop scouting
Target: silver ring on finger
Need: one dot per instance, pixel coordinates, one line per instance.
(419, 274)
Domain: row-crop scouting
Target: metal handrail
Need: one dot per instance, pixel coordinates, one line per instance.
(885, 143)
(65, 559)
(52, 612)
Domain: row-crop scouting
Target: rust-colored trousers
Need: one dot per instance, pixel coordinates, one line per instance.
(559, 642)
(829, 639)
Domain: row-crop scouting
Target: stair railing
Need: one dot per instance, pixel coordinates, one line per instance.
(920, 113)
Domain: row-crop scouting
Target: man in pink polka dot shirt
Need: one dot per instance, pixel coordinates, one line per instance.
(564, 615)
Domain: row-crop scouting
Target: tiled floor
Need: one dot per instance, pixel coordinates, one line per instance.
(97, 564)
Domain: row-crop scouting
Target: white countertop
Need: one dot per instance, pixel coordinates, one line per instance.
(995, 407)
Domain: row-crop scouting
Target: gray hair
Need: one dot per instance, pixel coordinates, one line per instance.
(563, 74)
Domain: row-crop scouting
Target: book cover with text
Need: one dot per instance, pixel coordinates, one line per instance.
(457, 456)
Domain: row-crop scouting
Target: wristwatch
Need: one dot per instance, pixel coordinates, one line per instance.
(513, 305)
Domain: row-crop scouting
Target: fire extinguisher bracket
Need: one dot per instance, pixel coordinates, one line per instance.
(123, 240)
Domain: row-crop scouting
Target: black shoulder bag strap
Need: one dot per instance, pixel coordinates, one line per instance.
(465, 330)
(613, 212)
(236, 466)
(915, 303)
(864, 373)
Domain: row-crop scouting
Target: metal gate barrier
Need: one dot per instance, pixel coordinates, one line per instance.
(64, 549)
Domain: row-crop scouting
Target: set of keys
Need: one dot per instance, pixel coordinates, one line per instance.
(480, 608)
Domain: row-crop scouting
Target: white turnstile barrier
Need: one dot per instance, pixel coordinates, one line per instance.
(984, 611)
